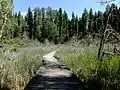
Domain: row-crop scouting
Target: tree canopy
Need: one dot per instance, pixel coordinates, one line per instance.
(55, 25)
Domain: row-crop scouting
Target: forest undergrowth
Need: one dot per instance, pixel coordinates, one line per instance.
(19, 62)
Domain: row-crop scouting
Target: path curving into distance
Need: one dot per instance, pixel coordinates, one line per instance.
(54, 76)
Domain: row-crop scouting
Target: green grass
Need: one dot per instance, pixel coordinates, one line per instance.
(87, 68)
(16, 72)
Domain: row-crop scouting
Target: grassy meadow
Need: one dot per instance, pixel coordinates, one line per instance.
(19, 60)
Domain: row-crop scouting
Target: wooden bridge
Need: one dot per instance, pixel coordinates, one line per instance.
(54, 76)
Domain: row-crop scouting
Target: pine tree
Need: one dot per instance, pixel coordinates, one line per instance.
(100, 25)
(20, 25)
(76, 26)
(90, 23)
(84, 22)
(114, 18)
(65, 26)
(95, 30)
(15, 16)
(49, 22)
(37, 23)
(19, 18)
(55, 25)
(30, 23)
(106, 15)
(73, 24)
(60, 24)
(118, 20)
(43, 29)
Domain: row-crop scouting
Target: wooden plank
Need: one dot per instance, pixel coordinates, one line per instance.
(54, 76)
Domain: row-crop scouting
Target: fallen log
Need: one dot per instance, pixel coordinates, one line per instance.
(54, 76)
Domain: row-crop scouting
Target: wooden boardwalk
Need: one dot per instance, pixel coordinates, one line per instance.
(54, 76)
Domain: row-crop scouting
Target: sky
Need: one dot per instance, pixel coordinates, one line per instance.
(77, 6)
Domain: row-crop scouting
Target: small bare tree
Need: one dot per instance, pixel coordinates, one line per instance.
(105, 34)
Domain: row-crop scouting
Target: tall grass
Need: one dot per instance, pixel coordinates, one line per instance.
(18, 68)
(89, 69)
(17, 72)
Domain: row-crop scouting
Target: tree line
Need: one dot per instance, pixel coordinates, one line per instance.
(56, 26)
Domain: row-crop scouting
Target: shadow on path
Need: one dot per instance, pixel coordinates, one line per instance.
(54, 76)
(55, 83)
(4, 88)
